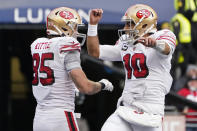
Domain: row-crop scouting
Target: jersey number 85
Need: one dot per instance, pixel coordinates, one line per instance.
(39, 67)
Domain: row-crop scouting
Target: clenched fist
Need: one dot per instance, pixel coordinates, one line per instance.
(107, 85)
(95, 16)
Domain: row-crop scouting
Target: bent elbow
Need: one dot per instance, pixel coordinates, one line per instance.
(94, 54)
(86, 88)
(87, 91)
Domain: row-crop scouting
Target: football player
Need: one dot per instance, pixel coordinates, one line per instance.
(146, 55)
(57, 73)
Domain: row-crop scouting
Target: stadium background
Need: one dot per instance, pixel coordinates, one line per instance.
(22, 21)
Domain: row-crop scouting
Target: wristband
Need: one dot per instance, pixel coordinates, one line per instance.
(92, 30)
(102, 85)
(160, 45)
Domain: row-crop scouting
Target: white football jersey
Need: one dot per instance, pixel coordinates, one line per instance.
(148, 77)
(52, 86)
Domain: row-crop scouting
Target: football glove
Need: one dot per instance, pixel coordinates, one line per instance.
(106, 85)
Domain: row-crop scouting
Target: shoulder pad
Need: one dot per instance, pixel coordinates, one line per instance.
(39, 40)
(68, 44)
(166, 35)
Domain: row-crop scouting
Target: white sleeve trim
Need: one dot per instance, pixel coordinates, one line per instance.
(72, 60)
(109, 52)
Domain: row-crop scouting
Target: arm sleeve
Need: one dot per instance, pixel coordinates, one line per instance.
(110, 53)
(72, 60)
(168, 37)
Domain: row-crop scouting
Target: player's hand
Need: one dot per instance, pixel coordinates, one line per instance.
(95, 16)
(149, 42)
(108, 85)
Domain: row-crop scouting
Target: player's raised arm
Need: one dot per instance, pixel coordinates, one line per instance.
(92, 39)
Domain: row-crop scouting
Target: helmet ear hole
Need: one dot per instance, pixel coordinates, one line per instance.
(64, 29)
(144, 26)
(56, 12)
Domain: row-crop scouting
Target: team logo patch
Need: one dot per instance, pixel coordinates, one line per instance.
(144, 12)
(124, 46)
(66, 15)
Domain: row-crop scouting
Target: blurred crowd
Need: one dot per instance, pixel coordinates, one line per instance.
(184, 69)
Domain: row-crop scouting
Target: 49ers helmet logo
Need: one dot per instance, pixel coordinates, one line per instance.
(144, 12)
(66, 15)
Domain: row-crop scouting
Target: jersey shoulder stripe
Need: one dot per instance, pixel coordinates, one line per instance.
(68, 44)
(167, 36)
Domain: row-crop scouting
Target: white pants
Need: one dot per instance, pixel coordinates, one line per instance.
(55, 120)
(115, 123)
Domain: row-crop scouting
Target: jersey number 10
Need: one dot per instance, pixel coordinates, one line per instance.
(136, 64)
(38, 66)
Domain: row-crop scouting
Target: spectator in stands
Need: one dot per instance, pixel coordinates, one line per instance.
(194, 27)
(190, 92)
(191, 72)
(165, 25)
(183, 27)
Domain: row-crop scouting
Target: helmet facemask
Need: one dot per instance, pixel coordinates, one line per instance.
(79, 36)
(128, 35)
